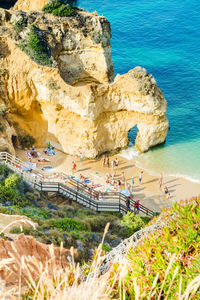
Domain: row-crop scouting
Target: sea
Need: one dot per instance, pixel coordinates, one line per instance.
(163, 36)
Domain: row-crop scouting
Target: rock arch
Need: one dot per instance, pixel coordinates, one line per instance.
(89, 117)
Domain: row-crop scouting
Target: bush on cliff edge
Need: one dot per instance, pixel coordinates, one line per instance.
(59, 9)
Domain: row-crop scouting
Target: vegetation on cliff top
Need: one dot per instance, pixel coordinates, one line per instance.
(36, 47)
(59, 9)
(163, 264)
(59, 221)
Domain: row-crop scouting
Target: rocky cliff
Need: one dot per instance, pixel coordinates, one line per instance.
(26, 249)
(71, 97)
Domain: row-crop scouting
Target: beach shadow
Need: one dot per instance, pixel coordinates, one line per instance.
(170, 181)
(171, 191)
(127, 167)
(139, 196)
(91, 161)
(174, 185)
(150, 181)
(138, 189)
(81, 170)
(134, 178)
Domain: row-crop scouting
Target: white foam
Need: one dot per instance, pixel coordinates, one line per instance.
(129, 153)
(177, 175)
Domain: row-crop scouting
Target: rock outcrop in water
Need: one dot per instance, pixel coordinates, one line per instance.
(76, 103)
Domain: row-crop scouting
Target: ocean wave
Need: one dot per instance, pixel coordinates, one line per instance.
(166, 174)
(130, 153)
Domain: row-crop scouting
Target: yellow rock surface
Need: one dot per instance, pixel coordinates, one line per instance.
(78, 106)
(30, 5)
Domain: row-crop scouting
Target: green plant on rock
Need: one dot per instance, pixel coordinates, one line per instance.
(26, 140)
(20, 25)
(36, 47)
(59, 9)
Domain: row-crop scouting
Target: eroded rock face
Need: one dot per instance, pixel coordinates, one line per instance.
(78, 105)
(27, 249)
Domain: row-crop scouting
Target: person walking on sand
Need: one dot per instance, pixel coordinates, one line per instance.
(73, 167)
(108, 162)
(123, 177)
(116, 162)
(168, 197)
(140, 177)
(166, 191)
(112, 164)
(81, 158)
(160, 181)
(132, 183)
(103, 161)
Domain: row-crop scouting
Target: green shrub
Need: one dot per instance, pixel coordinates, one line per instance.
(20, 25)
(26, 140)
(36, 47)
(2, 169)
(68, 224)
(30, 211)
(172, 254)
(5, 210)
(132, 223)
(58, 8)
(16, 230)
(106, 248)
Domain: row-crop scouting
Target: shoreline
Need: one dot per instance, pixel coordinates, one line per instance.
(148, 193)
(139, 164)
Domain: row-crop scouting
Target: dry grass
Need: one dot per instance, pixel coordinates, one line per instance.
(52, 281)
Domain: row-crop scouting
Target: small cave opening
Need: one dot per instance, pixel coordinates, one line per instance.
(132, 134)
(14, 141)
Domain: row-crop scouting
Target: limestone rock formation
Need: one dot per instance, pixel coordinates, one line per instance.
(30, 5)
(26, 248)
(76, 103)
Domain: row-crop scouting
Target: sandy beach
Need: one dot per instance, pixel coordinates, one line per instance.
(148, 192)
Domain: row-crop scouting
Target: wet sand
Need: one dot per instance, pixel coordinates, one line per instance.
(148, 192)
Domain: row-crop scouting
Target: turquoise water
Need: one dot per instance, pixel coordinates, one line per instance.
(164, 37)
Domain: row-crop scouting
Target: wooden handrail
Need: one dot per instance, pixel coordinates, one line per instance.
(82, 193)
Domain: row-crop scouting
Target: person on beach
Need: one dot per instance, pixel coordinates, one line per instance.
(73, 167)
(112, 164)
(113, 175)
(168, 196)
(166, 190)
(128, 203)
(123, 177)
(160, 181)
(119, 183)
(81, 158)
(140, 177)
(116, 162)
(108, 162)
(103, 161)
(137, 206)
